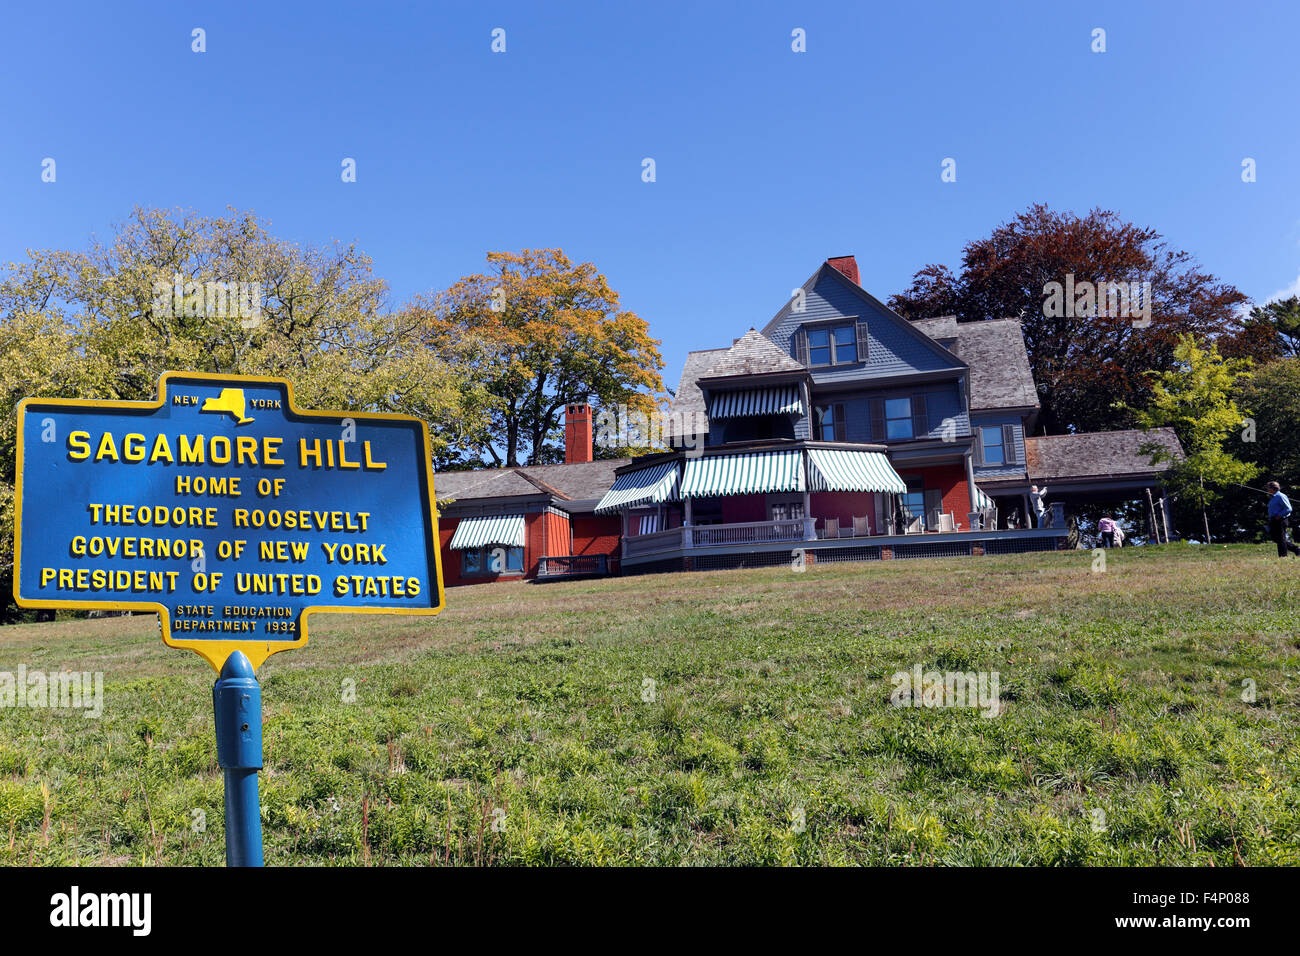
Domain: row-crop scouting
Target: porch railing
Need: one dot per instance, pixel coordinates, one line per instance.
(707, 536)
(669, 540)
(569, 565)
(754, 532)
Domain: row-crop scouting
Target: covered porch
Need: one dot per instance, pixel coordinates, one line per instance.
(797, 496)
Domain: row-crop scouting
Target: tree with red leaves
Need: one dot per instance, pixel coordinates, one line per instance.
(1089, 360)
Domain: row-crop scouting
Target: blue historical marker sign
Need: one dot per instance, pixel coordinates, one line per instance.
(226, 510)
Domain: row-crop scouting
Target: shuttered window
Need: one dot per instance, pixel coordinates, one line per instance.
(920, 422)
(933, 505)
(826, 345)
(801, 346)
(1009, 444)
(831, 423)
(898, 418)
(992, 448)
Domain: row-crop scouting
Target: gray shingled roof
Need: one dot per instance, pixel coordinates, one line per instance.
(1095, 454)
(999, 365)
(688, 403)
(940, 328)
(751, 354)
(582, 480)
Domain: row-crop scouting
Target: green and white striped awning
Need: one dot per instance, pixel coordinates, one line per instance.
(783, 400)
(837, 469)
(505, 530)
(982, 501)
(754, 473)
(644, 486)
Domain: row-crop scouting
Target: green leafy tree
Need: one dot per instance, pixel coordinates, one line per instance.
(1195, 399)
(1279, 323)
(1267, 436)
(1084, 359)
(550, 332)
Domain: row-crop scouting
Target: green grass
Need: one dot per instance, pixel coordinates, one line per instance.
(523, 705)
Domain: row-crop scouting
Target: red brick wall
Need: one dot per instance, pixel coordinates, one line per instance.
(951, 480)
(594, 534)
(450, 558)
(557, 534)
(534, 537)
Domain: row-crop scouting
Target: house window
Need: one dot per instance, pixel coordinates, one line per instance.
(898, 418)
(497, 559)
(831, 425)
(914, 501)
(836, 345)
(991, 440)
(789, 509)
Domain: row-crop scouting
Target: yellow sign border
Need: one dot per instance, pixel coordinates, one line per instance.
(215, 652)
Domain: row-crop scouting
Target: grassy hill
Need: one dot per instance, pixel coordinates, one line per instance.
(518, 727)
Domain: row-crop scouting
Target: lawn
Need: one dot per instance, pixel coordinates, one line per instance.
(738, 717)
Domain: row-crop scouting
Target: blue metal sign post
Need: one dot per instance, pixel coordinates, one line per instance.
(237, 705)
(234, 516)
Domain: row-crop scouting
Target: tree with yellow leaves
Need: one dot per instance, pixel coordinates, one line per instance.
(549, 333)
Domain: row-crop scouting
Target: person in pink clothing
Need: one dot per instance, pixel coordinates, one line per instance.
(1106, 526)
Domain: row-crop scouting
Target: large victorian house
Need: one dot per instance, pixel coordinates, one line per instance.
(840, 431)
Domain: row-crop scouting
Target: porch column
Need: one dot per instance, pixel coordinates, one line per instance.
(1029, 522)
(809, 522)
(688, 535)
(622, 541)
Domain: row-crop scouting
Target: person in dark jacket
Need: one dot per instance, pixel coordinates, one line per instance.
(1279, 513)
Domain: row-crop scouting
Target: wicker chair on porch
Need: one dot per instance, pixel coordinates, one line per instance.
(830, 527)
(860, 527)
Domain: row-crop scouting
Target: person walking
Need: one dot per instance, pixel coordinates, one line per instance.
(1106, 528)
(1279, 513)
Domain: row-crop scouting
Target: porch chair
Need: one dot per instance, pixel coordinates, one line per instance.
(860, 529)
(947, 524)
(831, 528)
(915, 526)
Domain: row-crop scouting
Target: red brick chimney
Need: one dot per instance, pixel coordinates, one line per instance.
(847, 265)
(577, 433)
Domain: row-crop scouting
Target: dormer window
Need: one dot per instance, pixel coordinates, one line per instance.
(820, 346)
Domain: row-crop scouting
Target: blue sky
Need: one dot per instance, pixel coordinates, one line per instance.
(767, 161)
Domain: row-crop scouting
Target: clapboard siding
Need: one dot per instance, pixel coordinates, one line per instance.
(893, 349)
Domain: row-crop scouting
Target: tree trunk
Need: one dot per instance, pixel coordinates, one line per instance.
(1204, 518)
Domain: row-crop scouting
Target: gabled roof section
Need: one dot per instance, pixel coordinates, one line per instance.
(999, 364)
(1097, 454)
(828, 293)
(688, 402)
(941, 328)
(751, 354)
(579, 481)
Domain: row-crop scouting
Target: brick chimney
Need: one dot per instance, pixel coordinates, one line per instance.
(577, 433)
(847, 265)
